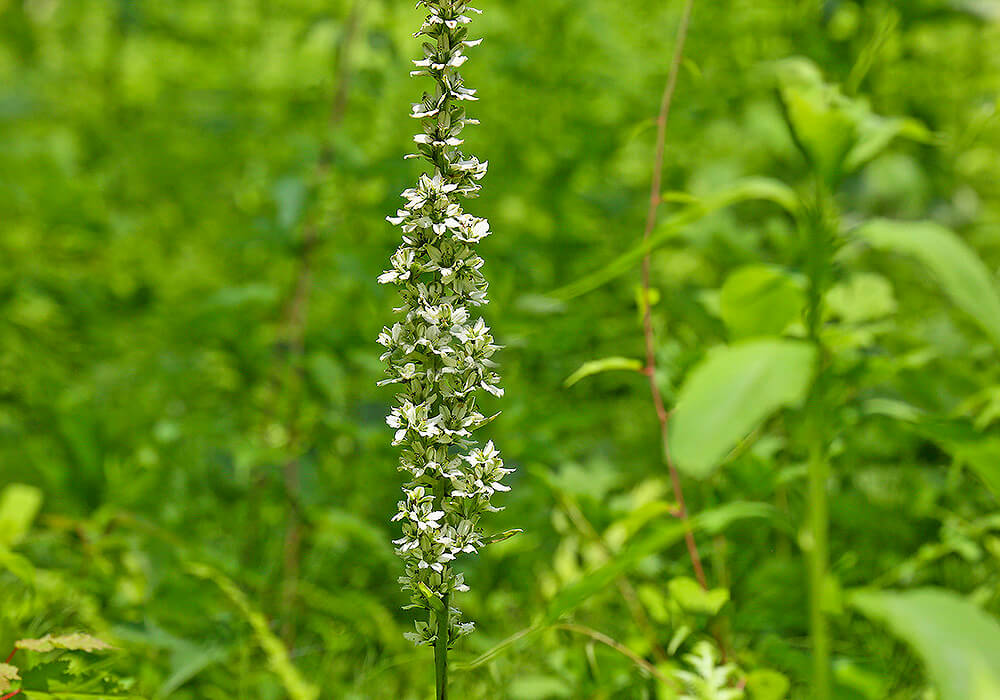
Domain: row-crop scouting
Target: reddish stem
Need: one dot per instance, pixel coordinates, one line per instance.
(9, 695)
(647, 324)
(11, 656)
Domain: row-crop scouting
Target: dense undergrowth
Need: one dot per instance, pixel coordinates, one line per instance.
(194, 464)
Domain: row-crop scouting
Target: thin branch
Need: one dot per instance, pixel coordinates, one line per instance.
(647, 324)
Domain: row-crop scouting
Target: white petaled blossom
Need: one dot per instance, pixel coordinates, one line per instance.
(438, 354)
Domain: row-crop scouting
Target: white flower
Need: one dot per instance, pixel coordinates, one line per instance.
(437, 353)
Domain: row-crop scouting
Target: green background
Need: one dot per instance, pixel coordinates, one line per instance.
(191, 225)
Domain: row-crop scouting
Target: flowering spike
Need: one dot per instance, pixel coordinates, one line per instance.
(438, 354)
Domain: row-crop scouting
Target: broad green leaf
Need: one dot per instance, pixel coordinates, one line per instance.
(958, 270)
(74, 642)
(608, 364)
(8, 673)
(765, 684)
(19, 504)
(730, 393)
(277, 655)
(958, 642)
(689, 594)
(760, 300)
(743, 191)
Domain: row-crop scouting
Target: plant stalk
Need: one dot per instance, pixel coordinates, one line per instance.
(441, 652)
(819, 470)
(821, 232)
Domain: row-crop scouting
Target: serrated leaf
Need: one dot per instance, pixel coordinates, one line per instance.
(8, 673)
(960, 273)
(730, 393)
(77, 641)
(608, 364)
(958, 642)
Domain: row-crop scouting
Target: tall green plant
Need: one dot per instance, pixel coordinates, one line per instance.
(438, 353)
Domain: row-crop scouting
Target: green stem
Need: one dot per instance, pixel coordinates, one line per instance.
(819, 630)
(821, 230)
(441, 652)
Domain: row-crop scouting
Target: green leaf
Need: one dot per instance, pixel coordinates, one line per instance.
(277, 655)
(958, 642)
(816, 115)
(8, 673)
(693, 598)
(743, 191)
(730, 393)
(760, 300)
(765, 684)
(608, 364)
(836, 133)
(958, 270)
(19, 504)
(432, 600)
(502, 536)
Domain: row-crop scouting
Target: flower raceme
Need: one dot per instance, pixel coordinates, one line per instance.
(438, 354)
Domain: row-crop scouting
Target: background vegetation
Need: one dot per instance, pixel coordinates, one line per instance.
(196, 463)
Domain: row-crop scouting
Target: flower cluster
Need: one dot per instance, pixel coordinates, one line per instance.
(437, 354)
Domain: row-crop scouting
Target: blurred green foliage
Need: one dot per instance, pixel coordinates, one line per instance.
(192, 197)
